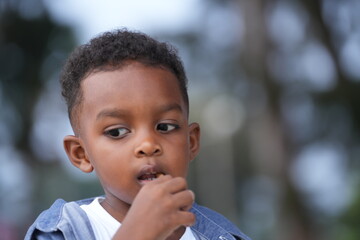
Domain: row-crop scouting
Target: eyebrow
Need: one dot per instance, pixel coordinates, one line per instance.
(120, 113)
(170, 107)
(113, 113)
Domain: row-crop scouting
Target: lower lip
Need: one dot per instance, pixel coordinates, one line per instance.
(142, 182)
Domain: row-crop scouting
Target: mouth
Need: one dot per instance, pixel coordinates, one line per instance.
(148, 174)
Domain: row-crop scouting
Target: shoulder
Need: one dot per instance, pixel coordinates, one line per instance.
(210, 223)
(58, 219)
(51, 216)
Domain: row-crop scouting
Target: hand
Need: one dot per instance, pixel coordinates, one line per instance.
(160, 207)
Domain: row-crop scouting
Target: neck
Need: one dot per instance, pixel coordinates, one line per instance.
(114, 210)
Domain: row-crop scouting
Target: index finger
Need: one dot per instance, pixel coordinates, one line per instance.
(176, 184)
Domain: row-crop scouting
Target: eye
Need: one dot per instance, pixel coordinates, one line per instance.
(166, 127)
(117, 132)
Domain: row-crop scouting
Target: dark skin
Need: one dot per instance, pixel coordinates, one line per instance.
(134, 132)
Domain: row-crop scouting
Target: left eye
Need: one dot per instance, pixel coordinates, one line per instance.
(117, 132)
(166, 127)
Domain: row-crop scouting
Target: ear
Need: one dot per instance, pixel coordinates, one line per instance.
(76, 154)
(194, 140)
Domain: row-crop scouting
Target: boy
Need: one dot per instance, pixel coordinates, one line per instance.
(128, 105)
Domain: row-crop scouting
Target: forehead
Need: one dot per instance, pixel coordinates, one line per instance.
(133, 85)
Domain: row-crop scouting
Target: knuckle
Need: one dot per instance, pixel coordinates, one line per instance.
(188, 197)
(168, 203)
(181, 182)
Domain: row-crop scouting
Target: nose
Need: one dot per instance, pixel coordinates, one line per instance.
(148, 146)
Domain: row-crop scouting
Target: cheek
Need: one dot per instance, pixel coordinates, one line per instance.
(178, 146)
(107, 157)
(180, 155)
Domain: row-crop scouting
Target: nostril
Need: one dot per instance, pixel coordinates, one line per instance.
(148, 149)
(148, 153)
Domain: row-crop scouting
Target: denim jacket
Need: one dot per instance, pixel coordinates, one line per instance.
(68, 221)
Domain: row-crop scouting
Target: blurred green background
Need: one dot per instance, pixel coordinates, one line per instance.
(274, 84)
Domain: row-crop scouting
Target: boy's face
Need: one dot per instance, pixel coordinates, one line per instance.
(133, 127)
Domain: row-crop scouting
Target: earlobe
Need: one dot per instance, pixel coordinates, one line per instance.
(194, 137)
(76, 154)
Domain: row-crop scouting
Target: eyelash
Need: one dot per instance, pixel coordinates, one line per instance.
(111, 133)
(174, 126)
(116, 132)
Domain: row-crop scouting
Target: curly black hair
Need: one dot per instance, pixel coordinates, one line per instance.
(112, 50)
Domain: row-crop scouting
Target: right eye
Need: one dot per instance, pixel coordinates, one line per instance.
(117, 132)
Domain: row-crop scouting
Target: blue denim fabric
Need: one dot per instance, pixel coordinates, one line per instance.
(68, 221)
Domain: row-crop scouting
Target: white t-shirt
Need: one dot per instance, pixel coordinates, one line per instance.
(105, 226)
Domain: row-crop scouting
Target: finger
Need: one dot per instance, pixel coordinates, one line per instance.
(176, 184)
(188, 206)
(185, 218)
(184, 200)
(163, 178)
